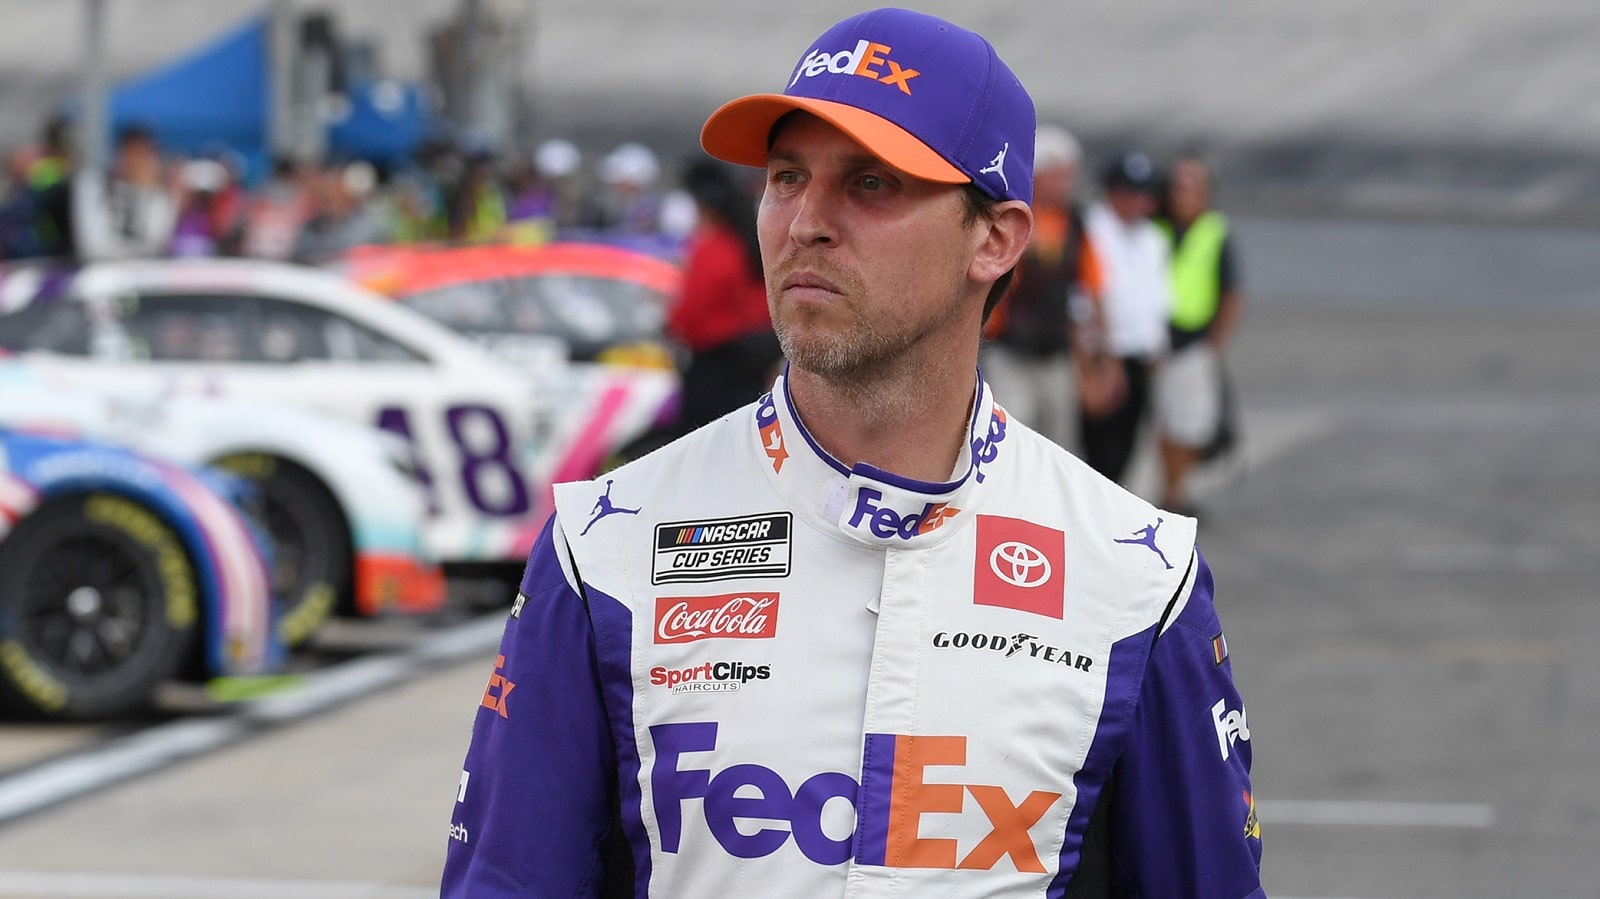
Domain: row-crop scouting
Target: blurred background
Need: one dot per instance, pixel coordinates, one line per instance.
(1402, 528)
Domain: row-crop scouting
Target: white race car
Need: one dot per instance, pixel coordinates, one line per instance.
(344, 514)
(489, 439)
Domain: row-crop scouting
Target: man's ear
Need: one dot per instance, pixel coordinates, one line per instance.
(1002, 239)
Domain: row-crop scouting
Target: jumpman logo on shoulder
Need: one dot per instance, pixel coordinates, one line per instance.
(997, 166)
(1146, 537)
(603, 507)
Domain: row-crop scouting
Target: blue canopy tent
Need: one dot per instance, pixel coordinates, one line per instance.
(221, 96)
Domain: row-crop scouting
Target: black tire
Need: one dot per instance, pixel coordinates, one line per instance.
(311, 554)
(99, 603)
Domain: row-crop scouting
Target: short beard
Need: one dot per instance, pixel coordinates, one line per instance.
(866, 361)
(863, 355)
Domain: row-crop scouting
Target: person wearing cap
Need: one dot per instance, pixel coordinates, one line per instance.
(1136, 298)
(628, 202)
(1037, 355)
(868, 636)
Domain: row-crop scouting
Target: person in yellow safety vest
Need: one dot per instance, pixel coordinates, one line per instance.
(479, 214)
(1190, 401)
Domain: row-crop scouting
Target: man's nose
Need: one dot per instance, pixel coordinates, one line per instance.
(813, 221)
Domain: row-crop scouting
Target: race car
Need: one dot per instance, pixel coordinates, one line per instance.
(602, 303)
(487, 438)
(119, 572)
(345, 515)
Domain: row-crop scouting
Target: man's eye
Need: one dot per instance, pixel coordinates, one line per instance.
(786, 177)
(873, 182)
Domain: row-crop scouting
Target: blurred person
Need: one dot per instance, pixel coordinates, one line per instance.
(345, 216)
(627, 201)
(230, 201)
(1136, 300)
(196, 232)
(18, 207)
(49, 185)
(277, 211)
(544, 194)
(720, 313)
(845, 610)
(478, 207)
(130, 211)
(1190, 389)
(1035, 352)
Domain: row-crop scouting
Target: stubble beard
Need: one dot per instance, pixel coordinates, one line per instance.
(855, 353)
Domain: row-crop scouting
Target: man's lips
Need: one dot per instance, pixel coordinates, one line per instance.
(808, 282)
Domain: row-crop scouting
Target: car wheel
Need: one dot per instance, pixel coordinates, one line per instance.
(311, 554)
(98, 604)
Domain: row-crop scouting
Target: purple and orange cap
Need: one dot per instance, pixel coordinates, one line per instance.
(929, 98)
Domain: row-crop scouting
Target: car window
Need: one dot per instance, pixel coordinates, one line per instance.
(292, 332)
(350, 341)
(588, 313)
(188, 327)
(471, 307)
(56, 326)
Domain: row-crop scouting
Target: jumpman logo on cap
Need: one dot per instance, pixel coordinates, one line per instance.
(603, 507)
(997, 166)
(1146, 537)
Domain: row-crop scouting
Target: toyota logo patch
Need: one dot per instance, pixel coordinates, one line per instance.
(1019, 564)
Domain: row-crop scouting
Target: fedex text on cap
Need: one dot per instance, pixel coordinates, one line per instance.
(867, 60)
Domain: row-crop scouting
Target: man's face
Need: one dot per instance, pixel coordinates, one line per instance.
(1131, 204)
(1189, 192)
(140, 162)
(865, 265)
(1054, 185)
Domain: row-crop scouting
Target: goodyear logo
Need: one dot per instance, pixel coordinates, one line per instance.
(869, 59)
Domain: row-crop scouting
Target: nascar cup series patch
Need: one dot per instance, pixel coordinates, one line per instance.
(719, 549)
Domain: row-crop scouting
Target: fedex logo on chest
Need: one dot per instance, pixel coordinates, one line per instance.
(907, 807)
(868, 59)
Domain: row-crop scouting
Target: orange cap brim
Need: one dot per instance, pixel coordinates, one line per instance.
(738, 132)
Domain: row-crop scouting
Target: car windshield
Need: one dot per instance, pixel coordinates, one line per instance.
(588, 313)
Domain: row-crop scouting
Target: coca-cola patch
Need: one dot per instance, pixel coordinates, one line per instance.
(722, 548)
(735, 616)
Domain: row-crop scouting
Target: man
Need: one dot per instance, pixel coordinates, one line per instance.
(1189, 391)
(839, 650)
(1034, 343)
(1136, 299)
(129, 213)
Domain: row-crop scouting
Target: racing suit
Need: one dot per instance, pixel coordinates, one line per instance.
(762, 673)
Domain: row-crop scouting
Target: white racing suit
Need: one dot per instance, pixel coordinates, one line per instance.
(751, 671)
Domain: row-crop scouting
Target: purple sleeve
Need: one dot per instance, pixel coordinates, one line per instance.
(533, 808)
(1182, 819)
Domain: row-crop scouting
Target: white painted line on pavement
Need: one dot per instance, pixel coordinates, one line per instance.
(145, 886)
(150, 750)
(138, 754)
(1375, 814)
